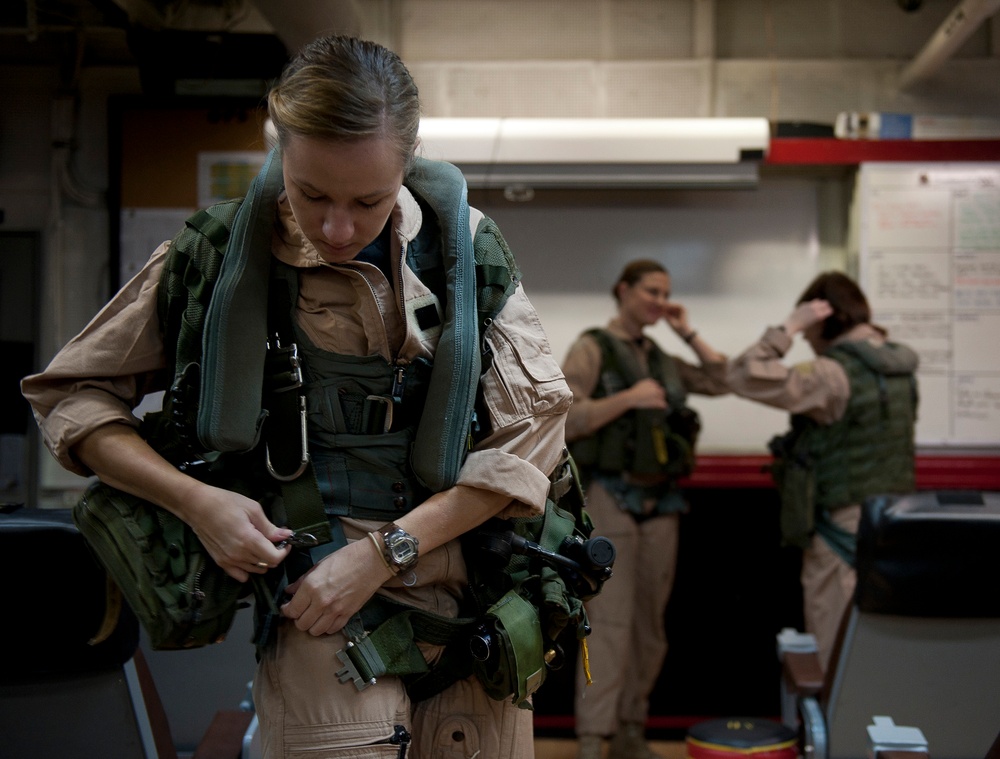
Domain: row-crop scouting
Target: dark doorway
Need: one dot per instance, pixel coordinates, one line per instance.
(19, 255)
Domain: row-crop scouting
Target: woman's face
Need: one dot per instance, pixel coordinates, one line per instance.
(645, 302)
(341, 193)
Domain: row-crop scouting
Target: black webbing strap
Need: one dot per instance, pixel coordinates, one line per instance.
(285, 426)
(288, 461)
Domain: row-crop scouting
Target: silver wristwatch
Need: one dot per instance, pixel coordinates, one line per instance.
(399, 548)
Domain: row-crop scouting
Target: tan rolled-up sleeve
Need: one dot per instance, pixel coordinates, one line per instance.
(818, 389)
(103, 373)
(582, 368)
(707, 379)
(527, 398)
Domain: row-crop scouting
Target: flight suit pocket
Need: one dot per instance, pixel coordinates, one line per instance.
(456, 738)
(524, 379)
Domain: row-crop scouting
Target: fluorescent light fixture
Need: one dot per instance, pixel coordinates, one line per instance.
(609, 153)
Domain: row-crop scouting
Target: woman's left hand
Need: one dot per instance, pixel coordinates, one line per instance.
(676, 316)
(329, 594)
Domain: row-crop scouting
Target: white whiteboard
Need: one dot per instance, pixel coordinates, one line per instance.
(929, 240)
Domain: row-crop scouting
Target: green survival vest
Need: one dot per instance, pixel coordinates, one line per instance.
(473, 275)
(221, 340)
(641, 441)
(820, 468)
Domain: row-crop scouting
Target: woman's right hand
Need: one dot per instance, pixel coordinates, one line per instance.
(648, 393)
(235, 531)
(232, 527)
(806, 314)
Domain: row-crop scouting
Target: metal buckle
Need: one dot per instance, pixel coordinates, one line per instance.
(350, 669)
(294, 362)
(387, 423)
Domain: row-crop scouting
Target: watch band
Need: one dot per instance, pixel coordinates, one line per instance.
(376, 539)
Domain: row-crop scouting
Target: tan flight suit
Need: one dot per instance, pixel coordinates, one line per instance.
(820, 390)
(100, 376)
(628, 643)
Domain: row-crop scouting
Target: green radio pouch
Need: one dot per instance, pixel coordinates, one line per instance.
(180, 595)
(795, 478)
(508, 650)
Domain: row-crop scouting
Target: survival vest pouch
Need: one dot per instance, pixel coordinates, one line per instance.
(179, 594)
(794, 475)
(531, 577)
(642, 441)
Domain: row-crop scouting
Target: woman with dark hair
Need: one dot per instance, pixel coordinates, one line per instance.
(633, 436)
(853, 409)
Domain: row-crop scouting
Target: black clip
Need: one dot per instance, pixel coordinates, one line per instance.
(297, 540)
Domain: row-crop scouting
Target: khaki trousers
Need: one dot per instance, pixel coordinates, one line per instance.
(304, 712)
(828, 585)
(628, 643)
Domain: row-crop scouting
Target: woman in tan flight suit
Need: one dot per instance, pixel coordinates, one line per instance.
(633, 436)
(853, 409)
(347, 114)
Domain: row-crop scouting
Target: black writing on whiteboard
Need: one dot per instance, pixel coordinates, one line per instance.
(929, 246)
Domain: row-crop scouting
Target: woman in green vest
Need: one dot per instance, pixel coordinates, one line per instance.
(633, 436)
(852, 433)
(354, 226)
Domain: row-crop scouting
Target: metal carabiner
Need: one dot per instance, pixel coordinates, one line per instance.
(304, 462)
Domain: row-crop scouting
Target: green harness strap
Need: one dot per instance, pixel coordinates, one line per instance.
(455, 374)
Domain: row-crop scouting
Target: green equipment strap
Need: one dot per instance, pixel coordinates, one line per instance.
(389, 648)
(840, 541)
(214, 230)
(455, 374)
(231, 383)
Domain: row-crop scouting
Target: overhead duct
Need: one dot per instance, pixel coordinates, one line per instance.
(960, 24)
(600, 153)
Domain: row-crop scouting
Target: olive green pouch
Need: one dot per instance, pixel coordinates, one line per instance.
(514, 666)
(795, 478)
(180, 595)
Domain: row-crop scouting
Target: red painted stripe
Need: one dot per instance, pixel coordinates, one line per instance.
(933, 472)
(831, 151)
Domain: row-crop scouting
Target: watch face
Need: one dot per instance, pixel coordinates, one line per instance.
(402, 548)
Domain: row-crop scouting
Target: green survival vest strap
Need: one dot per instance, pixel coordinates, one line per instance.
(229, 412)
(455, 374)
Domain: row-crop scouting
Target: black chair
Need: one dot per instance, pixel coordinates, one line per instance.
(62, 694)
(921, 642)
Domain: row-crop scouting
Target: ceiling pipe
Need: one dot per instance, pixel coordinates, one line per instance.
(955, 30)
